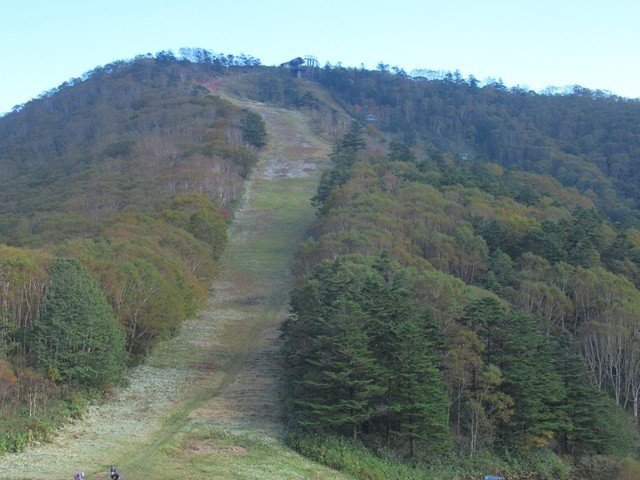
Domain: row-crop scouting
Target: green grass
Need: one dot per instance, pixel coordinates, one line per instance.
(201, 451)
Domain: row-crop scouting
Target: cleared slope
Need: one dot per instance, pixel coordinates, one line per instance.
(206, 404)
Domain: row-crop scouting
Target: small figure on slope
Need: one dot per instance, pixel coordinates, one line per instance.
(113, 472)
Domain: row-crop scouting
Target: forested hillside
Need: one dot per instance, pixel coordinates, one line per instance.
(466, 301)
(116, 191)
(585, 139)
(469, 303)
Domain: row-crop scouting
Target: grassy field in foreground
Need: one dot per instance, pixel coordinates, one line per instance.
(200, 451)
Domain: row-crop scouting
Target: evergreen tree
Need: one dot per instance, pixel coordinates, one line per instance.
(343, 157)
(358, 351)
(76, 337)
(588, 429)
(400, 152)
(514, 344)
(548, 241)
(339, 385)
(402, 336)
(501, 274)
(352, 141)
(531, 380)
(418, 403)
(254, 130)
(486, 317)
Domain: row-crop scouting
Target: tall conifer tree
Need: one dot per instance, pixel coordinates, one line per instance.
(77, 338)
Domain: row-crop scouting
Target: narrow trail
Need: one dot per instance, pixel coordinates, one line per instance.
(222, 369)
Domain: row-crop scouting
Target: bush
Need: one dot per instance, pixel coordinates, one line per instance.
(351, 457)
(354, 458)
(599, 467)
(18, 432)
(629, 470)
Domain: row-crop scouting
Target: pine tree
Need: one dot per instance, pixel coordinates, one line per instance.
(418, 403)
(77, 338)
(486, 317)
(254, 129)
(339, 386)
(352, 141)
(343, 157)
(531, 380)
(402, 336)
(358, 350)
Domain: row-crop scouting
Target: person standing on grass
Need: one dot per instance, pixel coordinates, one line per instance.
(113, 472)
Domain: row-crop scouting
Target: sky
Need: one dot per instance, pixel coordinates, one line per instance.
(533, 45)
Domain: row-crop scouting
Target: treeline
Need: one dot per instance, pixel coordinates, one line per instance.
(448, 304)
(166, 63)
(115, 197)
(585, 139)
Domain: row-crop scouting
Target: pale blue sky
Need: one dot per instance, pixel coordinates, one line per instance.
(531, 44)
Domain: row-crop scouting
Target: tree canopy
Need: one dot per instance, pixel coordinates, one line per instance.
(77, 339)
(526, 293)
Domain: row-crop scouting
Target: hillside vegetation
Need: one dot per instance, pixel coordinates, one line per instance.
(585, 139)
(466, 305)
(133, 172)
(466, 301)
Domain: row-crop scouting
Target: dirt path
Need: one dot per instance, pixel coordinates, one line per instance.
(222, 369)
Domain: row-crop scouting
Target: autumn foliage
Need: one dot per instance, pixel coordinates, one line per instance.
(117, 189)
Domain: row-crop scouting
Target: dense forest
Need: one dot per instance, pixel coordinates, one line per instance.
(116, 193)
(470, 303)
(586, 139)
(469, 291)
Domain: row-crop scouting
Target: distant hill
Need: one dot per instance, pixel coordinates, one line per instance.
(586, 139)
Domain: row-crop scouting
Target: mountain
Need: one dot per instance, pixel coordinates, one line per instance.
(469, 285)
